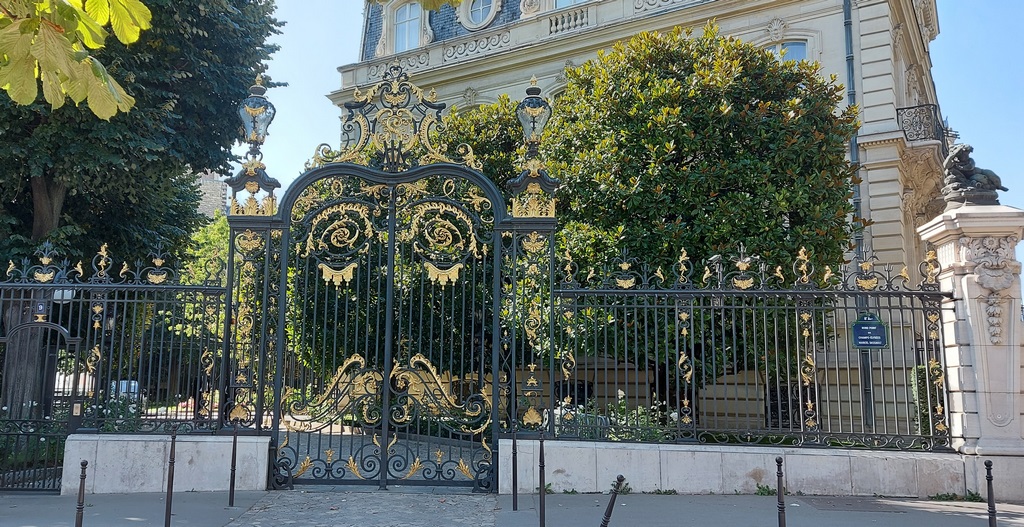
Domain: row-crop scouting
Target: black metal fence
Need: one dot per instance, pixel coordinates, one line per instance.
(133, 349)
(740, 353)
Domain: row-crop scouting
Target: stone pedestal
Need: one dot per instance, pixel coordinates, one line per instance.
(982, 329)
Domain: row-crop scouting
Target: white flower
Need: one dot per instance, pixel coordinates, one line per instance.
(674, 416)
(622, 394)
(132, 408)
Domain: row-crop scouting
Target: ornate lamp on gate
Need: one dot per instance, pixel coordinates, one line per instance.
(533, 189)
(256, 114)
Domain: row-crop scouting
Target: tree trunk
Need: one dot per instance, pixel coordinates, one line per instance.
(47, 205)
(24, 362)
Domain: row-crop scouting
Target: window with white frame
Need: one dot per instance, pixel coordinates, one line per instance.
(407, 26)
(478, 14)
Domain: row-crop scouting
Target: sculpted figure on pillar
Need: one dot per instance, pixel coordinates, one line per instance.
(965, 183)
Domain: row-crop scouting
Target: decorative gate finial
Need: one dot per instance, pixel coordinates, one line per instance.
(391, 127)
(256, 113)
(534, 189)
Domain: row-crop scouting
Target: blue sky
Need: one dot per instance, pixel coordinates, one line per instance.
(977, 67)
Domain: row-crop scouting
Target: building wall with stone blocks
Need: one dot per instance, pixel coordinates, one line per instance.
(214, 194)
(889, 61)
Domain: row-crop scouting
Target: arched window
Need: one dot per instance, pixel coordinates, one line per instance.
(407, 26)
(794, 49)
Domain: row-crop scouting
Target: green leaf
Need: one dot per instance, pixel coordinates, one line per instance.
(128, 18)
(98, 10)
(52, 50)
(18, 77)
(89, 31)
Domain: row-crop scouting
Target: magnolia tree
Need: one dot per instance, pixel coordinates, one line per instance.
(703, 142)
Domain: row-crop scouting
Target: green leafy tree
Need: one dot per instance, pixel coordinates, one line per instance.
(126, 181)
(78, 181)
(48, 42)
(672, 141)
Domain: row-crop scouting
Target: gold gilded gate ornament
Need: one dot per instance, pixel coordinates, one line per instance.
(392, 125)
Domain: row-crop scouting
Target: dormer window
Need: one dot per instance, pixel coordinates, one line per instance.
(407, 27)
(477, 14)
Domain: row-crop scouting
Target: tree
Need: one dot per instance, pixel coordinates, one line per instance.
(47, 41)
(77, 181)
(124, 181)
(673, 141)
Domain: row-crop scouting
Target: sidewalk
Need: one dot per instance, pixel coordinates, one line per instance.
(426, 506)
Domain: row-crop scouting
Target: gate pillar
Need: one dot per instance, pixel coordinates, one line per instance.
(975, 247)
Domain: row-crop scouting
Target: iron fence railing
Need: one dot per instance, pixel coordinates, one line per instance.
(745, 356)
(922, 123)
(128, 350)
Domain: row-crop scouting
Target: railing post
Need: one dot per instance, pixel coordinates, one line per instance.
(543, 487)
(170, 478)
(991, 496)
(780, 490)
(80, 510)
(515, 470)
(234, 458)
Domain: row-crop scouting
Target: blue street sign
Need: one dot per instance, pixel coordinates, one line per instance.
(869, 332)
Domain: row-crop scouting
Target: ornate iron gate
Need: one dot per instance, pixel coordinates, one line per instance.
(370, 301)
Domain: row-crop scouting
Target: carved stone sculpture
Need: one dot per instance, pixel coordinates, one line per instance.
(965, 183)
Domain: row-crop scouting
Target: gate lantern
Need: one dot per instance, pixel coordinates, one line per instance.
(533, 113)
(256, 113)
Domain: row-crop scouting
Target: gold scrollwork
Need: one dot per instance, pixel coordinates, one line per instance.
(414, 468)
(464, 469)
(353, 467)
(303, 467)
(867, 284)
(443, 277)
(44, 277)
(743, 284)
(534, 203)
(338, 277)
(249, 241)
(343, 233)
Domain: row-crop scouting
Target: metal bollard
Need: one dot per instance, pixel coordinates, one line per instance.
(611, 501)
(543, 486)
(234, 458)
(80, 510)
(515, 471)
(991, 497)
(170, 478)
(781, 491)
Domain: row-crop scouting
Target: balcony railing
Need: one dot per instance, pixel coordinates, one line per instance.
(922, 123)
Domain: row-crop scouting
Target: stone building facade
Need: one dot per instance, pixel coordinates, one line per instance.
(877, 48)
(214, 194)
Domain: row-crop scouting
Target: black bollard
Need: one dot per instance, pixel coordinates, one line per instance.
(781, 491)
(170, 478)
(543, 487)
(991, 497)
(234, 457)
(80, 510)
(515, 471)
(611, 501)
